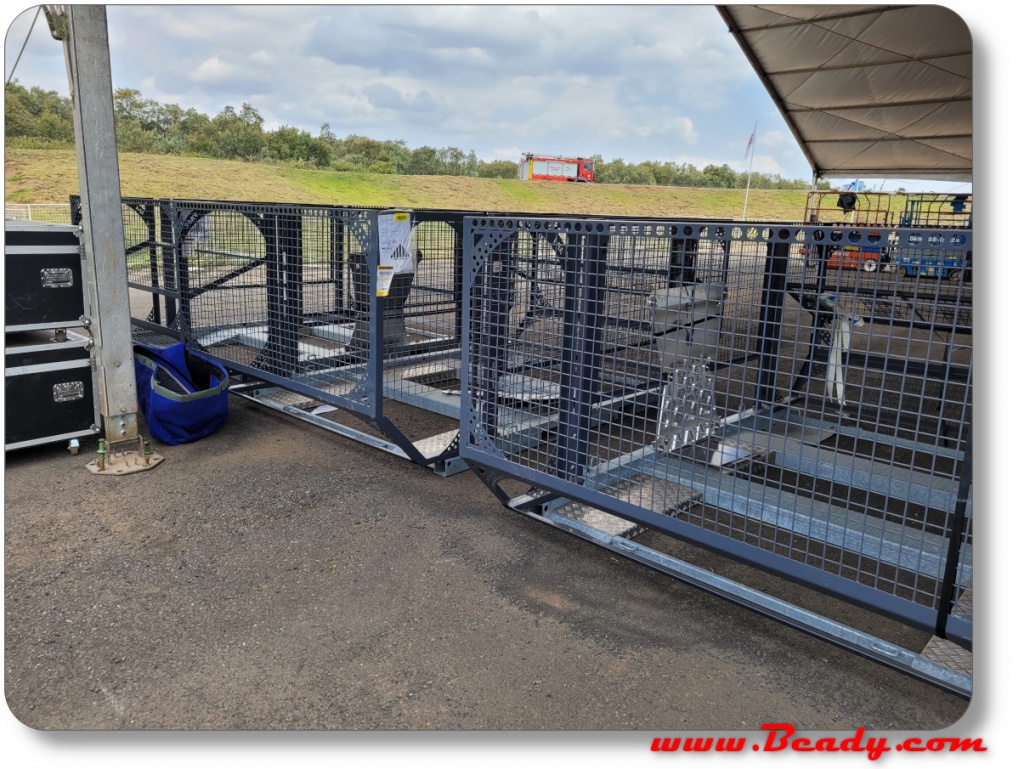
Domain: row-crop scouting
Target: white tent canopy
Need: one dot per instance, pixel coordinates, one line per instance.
(868, 91)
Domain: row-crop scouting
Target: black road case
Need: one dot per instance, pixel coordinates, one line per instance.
(43, 279)
(49, 388)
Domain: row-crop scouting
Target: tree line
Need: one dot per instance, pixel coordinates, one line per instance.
(36, 118)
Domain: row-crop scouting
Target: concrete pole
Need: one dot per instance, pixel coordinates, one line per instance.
(87, 52)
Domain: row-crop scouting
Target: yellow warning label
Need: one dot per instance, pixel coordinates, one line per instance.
(384, 278)
(403, 217)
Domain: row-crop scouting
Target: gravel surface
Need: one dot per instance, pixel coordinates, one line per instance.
(277, 577)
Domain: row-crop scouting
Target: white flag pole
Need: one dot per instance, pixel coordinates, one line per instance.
(750, 168)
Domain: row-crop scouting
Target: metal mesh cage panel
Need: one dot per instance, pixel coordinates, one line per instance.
(278, 291)
(286, 295)
(733, 386)
(151, 266)
(421, 319)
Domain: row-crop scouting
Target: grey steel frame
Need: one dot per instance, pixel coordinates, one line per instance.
(285, 296)
(867, 499)
(556, 273)
(168, 243)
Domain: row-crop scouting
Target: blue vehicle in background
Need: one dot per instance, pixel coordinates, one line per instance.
(927, 210)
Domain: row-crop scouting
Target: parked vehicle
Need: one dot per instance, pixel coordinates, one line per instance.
(867, 258)
(848, 209)
(556, 169)
(933, 210)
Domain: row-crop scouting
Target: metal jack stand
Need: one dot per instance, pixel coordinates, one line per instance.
(110, 462)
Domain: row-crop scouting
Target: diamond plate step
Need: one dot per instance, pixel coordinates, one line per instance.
(656, 495)
(435, 444)
(288, 398)
(947, 653)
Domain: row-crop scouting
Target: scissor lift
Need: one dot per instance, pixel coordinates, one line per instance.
(928, 210)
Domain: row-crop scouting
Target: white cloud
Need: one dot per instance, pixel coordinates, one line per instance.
(212, 70)
(508, 153)
(766, 164)
(636, 82)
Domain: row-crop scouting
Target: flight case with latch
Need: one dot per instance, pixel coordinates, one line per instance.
(43, 280)
(49, 388)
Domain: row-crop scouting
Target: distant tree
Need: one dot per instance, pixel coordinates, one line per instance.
(454, 162)
(639, 174)
(397, 155)
(361, 152)
(614, 172)
(660, 173)
(381, 167)
(232, 135)
(144, 125)
(720, 176)
(44, 118)
(291, 144)
(497, 169)
(424, 161)
(688, 175)
(37, 113)
(18, 119)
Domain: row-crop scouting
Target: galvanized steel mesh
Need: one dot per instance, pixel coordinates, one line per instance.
(151, 266)
(286, 295)
(733, 386)
(270, 290)
(422, 320)
(791, 395)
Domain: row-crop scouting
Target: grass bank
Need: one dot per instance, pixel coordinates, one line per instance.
(50, 176)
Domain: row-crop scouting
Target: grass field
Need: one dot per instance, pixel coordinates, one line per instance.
(50, 176)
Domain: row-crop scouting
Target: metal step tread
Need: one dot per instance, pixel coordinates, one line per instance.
(795, 416)
(286, 398)
(660, 496)
(434, 445)
(947, 653)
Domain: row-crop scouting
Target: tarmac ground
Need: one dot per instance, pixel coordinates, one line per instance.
(275, 576)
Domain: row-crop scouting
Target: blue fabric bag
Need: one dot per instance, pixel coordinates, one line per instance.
(183, 395)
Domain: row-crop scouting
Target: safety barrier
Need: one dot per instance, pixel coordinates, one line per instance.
(287, 297)
(731, 385)
(720, 383)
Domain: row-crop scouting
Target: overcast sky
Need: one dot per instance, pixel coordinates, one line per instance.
(663, 83)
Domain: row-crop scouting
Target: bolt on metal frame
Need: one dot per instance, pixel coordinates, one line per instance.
(286, 297)
(719, 383)
(723, 383)
(267, 288)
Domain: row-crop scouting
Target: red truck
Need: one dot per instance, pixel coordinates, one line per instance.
(556, 169)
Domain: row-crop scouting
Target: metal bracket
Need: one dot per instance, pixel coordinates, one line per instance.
(57, 21)
(109, 462)
(686, 414)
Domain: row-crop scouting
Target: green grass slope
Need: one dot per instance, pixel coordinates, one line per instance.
(50, 176)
